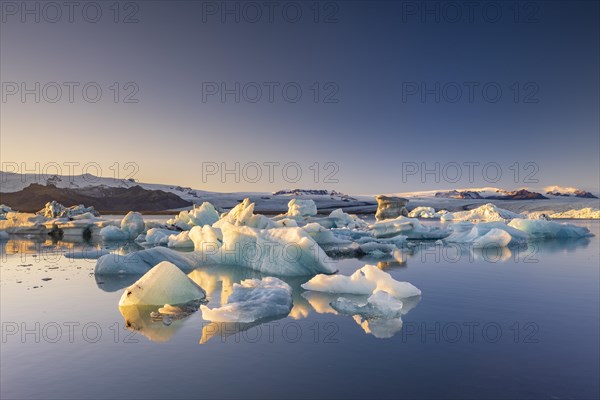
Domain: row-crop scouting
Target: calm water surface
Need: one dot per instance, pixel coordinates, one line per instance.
(512, 324)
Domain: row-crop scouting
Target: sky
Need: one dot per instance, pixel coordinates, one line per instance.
(355, 96)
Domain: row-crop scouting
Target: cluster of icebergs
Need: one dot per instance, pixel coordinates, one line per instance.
(372, 297)
(55, 219)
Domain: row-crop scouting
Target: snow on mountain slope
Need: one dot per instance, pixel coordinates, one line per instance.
(11, 182)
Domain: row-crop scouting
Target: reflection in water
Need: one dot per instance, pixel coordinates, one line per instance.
(138, 319)
(225, 329)
(218, 282)
(112, 283)
(384, 328)
(558, 245)
(381, 328)
(50, 248)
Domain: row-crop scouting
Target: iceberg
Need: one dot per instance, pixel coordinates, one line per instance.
(409, 227)
(181, 240)
(485, 234)
(253, 300)
(54, 209)
(3, 211)
(206, 214)
(279, 251)
(206, 238)
(243, 215)
(113, 233)
(301, 208)
(158, 236)
(486, 212)
(165, 283)
(390, 207)
(23, 223)
(364, 281)
(542, 229)
(142, 261)
(324, 236)
(426, 212)
(132, 225)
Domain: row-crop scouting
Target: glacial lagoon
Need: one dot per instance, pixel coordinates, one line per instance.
(507, 323)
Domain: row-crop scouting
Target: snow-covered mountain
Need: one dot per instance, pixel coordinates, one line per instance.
(551, 199)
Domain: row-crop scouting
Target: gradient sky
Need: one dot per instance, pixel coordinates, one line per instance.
(373, 52)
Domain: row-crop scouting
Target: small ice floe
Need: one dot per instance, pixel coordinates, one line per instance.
(541, 229)
(253, 300)
(485, 234)
(409, 227)
(379, 305)
(163, 284)
(206, 214)
(366, 281)
(426, 212)
(486, 212)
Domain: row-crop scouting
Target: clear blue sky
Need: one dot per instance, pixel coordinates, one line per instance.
(379, 81)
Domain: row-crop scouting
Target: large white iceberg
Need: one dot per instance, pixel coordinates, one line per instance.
(279, 251)
(542, 229)
(364, 281)
(163, 284)
(133, 224)
(486, 212)
(253, 300)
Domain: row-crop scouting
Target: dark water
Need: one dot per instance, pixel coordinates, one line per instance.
(522, 323)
